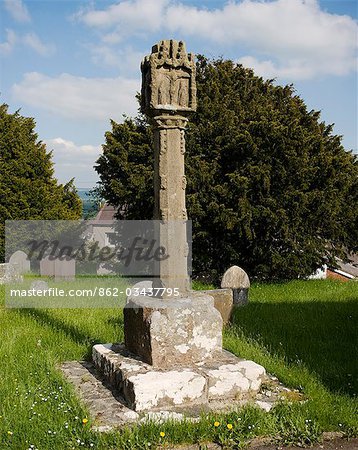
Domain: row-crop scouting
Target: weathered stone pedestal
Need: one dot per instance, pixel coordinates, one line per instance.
(173, 357)
(166, 333)
(146, 388)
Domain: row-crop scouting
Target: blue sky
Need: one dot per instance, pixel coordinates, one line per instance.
(74, 65)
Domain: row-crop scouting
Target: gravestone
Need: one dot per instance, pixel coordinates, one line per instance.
(20, 261)
(39, 285)
(8, 274)
(47, 267)
(236, 278)
(60, 269)
(173, 352)
(65, 270)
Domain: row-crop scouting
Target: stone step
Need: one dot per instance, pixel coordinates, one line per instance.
(144, 388)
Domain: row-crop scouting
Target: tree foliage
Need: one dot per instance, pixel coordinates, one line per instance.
(270, 187)
(28, 189)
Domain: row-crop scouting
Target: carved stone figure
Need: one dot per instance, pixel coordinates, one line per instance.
(168, 79)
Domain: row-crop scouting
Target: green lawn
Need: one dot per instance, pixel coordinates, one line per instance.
(304, 332)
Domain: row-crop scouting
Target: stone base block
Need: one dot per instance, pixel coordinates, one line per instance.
(165, 333)
(223, 302)
(147, 388)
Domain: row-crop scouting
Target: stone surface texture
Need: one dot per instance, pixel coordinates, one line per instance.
(109, 409)
(20, 261)
(240, 296)
(223, 302)
(223, 298)
(172, 355)
(165, 333)
(47, 267)
(60, 269)
(168, 96)
(147, 388)
(168, 79)
(9, 274)
(235, 278)
(39, 285)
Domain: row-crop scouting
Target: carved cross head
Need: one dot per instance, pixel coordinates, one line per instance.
(168, 80)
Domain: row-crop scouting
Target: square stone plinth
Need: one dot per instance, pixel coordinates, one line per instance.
(169, 332)
(146, 388)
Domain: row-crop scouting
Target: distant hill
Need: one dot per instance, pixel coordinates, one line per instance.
(88, 207)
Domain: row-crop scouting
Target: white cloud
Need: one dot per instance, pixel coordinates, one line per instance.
(298, 69)
(104, 55)
(129, 17)
(17, 10)
(69, 149)
(74, 161)
(7, 46)
(293, 38)
(290, 38)
(29, 40)
(34, 42)
(79, 97)
(131, 14)
(122, 57)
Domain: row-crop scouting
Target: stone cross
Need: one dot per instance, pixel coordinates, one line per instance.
(168, 96)
(173, 349)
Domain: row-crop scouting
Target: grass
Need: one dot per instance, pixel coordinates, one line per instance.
(304, 332)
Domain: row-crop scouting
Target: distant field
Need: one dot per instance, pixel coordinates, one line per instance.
(304, 332)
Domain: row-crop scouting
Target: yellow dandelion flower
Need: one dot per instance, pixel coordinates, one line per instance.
(10, 433)
(84, 421)
(216, 424)
(162, 434)
(229, 426)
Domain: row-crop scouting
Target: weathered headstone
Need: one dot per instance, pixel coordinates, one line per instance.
(20, 261)
(47, 267)
(60, 269)
(236, 278)
(9, 274)
(39, 285)
(65, 270)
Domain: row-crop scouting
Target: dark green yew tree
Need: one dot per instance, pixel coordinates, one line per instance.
(270, 187)
(28, 189)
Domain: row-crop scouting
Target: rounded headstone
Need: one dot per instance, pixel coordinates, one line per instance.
(145, 284)
(20, 261)
(235, 278)
(39, 285)
(104, 270)
(141, 286)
